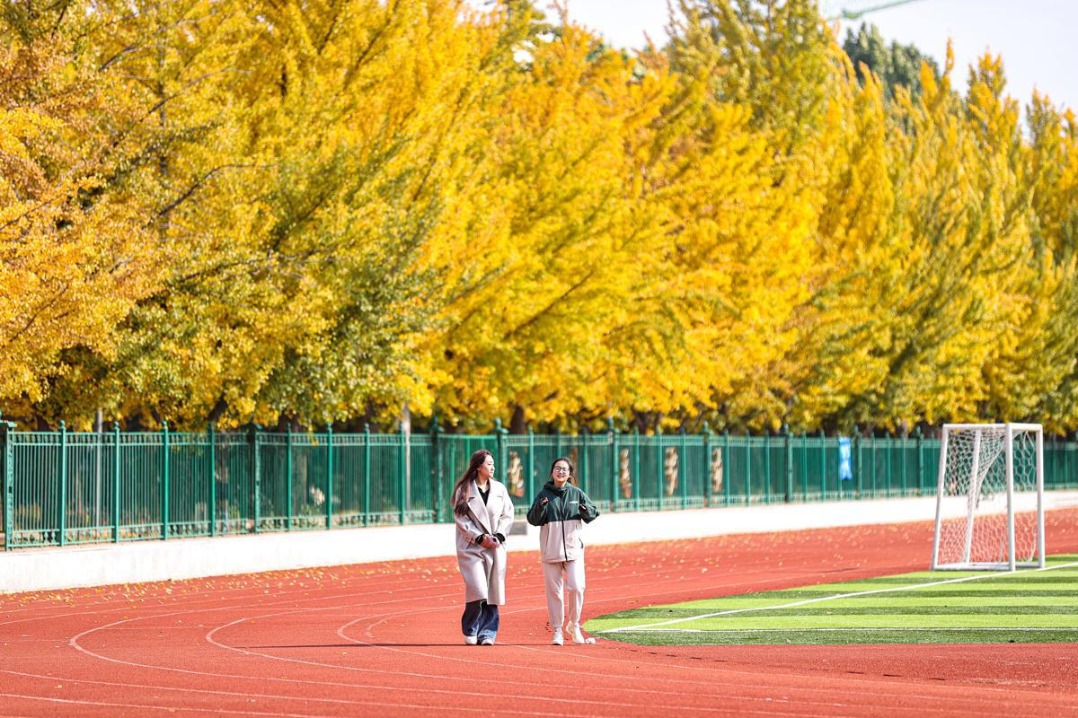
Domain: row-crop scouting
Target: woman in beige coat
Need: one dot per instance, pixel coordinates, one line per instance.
(484, 514)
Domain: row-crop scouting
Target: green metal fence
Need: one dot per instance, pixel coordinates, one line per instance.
(63, 488)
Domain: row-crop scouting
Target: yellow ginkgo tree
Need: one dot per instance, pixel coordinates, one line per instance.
(73, 258)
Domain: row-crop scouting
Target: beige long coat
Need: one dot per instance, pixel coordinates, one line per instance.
(483, 569)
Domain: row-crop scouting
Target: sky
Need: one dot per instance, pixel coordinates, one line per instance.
(1030, 35)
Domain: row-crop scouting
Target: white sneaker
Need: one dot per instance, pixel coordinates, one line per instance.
(487, 642)
(578, 637)
(558, 640)
(471, 640)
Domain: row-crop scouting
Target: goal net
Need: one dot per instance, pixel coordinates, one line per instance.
(990, 497)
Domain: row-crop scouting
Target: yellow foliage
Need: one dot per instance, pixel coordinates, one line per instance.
(324, 211)
(71, 259)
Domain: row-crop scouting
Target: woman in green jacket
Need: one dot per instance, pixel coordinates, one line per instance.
(560, 511)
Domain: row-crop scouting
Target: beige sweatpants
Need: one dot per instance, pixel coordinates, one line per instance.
(563, 577)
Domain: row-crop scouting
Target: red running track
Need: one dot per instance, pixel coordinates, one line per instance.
(384, 640)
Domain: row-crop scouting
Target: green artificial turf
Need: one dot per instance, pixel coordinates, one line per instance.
(1027, 606)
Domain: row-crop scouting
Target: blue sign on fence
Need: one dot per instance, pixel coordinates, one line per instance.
(845, 459)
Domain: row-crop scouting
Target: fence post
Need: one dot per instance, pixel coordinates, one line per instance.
(62, 503)
(904, 464)
(531, 466)
(726, 472)
(1069, 449)
(99, 440)
(117, 505)
(502, 456)
(708, 478)
(211, 439)
(634, 479)
(329, 476)
(366, 474)
(683, 469)
(165, 480)
(840, 485)
(612, 432)
(875, 465)
(661, 470)
(748, 468)
(256, 476)
(788, 446)
(804, 466)
(1072, 470)
(920, 460)
(289, 473)
(435, 471)
(767, 466)
(402, 475)
(855, 460)
(583, 435)
(7, 461)
(823, 467)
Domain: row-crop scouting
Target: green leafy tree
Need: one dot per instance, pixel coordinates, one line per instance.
(895, 65)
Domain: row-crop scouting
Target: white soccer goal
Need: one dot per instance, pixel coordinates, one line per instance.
(990, 498)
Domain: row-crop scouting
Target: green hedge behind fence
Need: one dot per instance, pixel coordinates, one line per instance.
(65, 488)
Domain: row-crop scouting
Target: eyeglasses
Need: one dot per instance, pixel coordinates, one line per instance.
(561, 469)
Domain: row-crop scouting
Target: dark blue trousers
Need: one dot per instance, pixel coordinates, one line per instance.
(479, 619)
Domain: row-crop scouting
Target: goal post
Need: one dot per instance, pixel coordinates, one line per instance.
(990, 498)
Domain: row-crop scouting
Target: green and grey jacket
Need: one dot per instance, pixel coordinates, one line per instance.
(560, 521)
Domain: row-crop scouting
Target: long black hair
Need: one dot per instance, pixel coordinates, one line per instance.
(459, 497)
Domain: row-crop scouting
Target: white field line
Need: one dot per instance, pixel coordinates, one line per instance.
(983, 629)
(795, 604)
